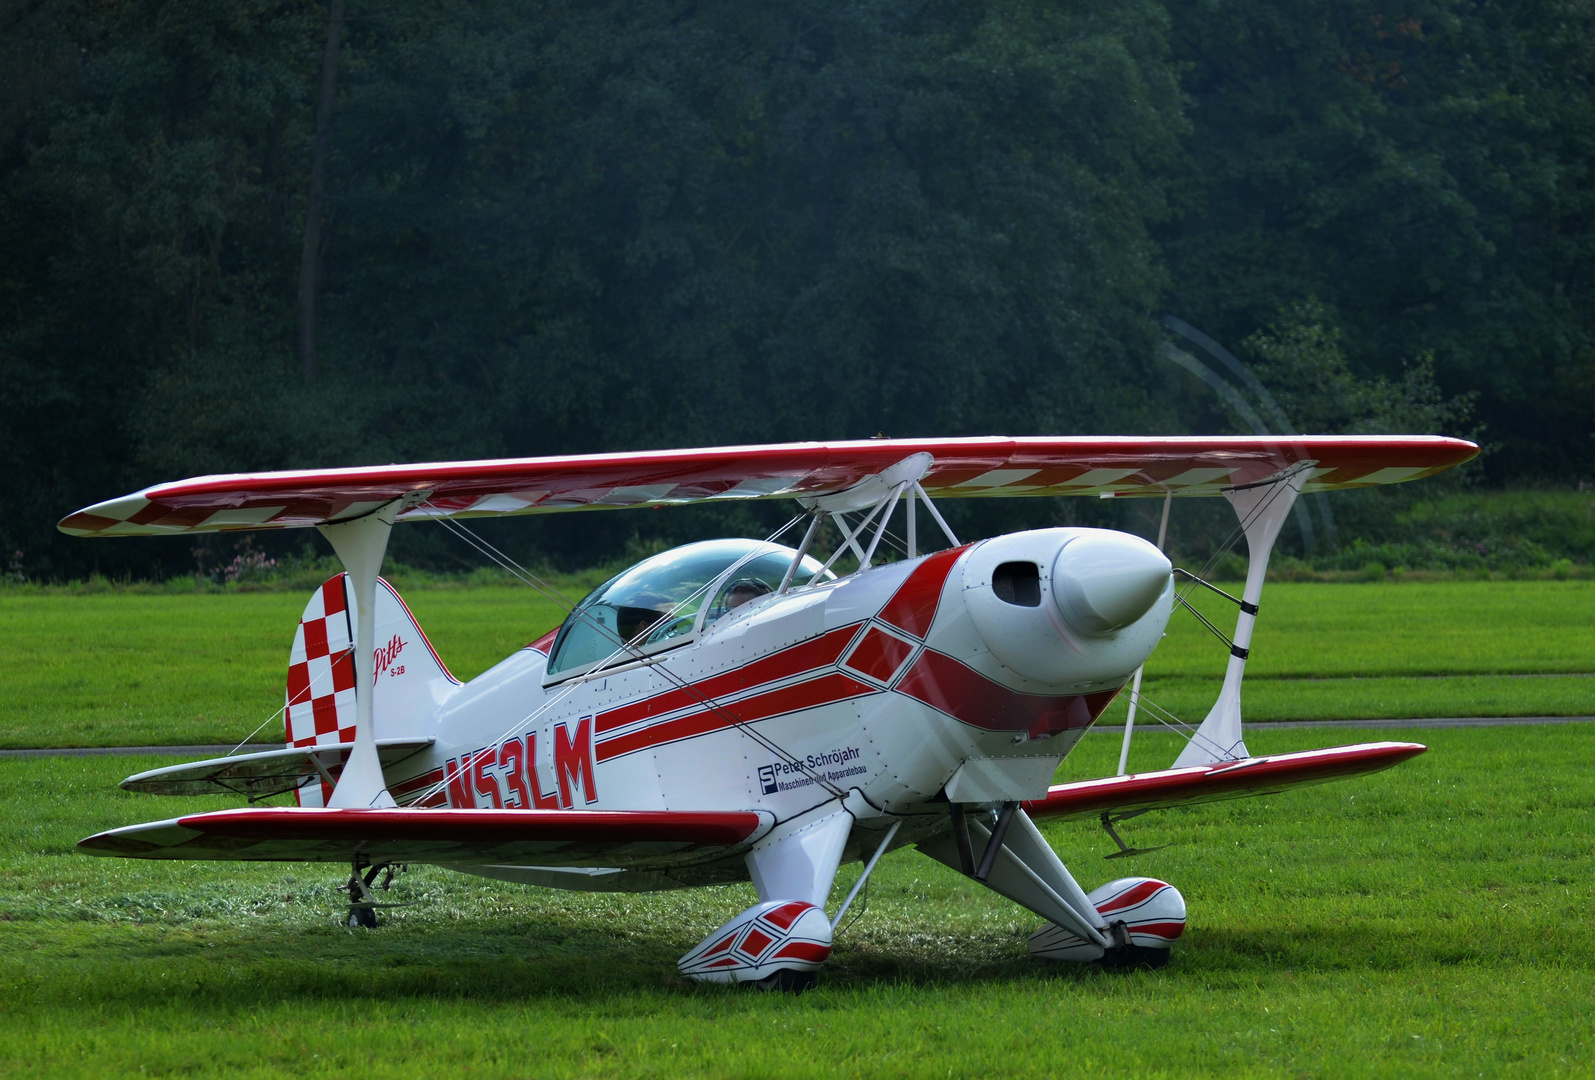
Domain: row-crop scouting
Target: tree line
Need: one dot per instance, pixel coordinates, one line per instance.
(251, 234)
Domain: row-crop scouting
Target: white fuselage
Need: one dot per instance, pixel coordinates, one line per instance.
(904, 686)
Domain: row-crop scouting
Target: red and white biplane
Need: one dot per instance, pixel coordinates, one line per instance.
(733, 710)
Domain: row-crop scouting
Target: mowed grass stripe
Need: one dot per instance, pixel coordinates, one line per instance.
(115, 669)
(1393, 628)
(118, 669)
(1426, 921)
(1374, 698)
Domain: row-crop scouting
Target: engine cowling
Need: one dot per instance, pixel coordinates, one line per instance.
(1069, 607)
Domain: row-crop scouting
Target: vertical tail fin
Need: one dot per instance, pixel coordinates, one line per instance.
(410, 679)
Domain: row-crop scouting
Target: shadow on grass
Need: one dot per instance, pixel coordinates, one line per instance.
(229, 969)
(224, 969)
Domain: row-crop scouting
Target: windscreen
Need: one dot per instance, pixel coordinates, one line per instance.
(652, 605)
(757, 578)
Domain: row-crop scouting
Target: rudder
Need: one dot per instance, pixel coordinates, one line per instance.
(319, 708)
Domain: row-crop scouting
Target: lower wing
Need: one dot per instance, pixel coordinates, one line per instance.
(622, 839)
(643, 839)
(1140, 792)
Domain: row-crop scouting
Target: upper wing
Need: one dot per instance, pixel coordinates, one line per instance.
(627, 839)
(1194, 465)
(1139, 792)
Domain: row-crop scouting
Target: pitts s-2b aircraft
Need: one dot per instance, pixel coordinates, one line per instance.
(733, 710)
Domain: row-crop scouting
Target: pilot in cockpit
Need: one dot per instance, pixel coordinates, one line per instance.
(742, 590)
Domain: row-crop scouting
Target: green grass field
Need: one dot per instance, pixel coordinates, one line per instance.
(1428, 921)
(1360, 651)
(1431, 920)
(120, 669)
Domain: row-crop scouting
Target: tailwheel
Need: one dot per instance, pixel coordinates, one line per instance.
(363, 904)
(362, 917)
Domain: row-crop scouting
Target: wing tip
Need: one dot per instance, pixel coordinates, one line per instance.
(1196, 784)
(110, 845)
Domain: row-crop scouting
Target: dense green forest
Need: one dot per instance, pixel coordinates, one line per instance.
(251, 234)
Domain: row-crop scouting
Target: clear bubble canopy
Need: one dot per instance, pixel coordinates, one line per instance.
(660, 602)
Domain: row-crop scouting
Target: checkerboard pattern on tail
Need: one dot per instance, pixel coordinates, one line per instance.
(409, 680)
(319, 708)
(1144, 916)
(768, 940)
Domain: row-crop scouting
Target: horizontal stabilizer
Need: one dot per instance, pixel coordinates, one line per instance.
(261, 775)
(1213, 783)
(961, 468)
(623, 839)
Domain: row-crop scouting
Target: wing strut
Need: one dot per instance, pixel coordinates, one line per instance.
(1262, 508)
(360, 543)
(1135, 690)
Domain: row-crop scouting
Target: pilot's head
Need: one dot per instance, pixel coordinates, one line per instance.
(743, 590)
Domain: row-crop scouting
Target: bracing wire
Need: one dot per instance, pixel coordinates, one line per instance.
(283, 708)
(1205, 621)
(626, 648)
(1210, 587)
(1182, 597)
(896, 541)
(274, 716)
(1164, 716)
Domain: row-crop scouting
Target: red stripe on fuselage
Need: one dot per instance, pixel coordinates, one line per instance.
(416, 783)
(814, 653)
(825, 690)
(913, 606)
(964, 694)
(879, 655)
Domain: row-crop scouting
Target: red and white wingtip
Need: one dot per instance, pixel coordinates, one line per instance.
(1141, 913)
(765, 941)
(1217, 782)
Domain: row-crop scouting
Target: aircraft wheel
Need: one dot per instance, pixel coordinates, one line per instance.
(1134, 958)
(789, 982)
(362, 918)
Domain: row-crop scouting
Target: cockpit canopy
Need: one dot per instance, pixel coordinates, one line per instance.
(660, 603)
